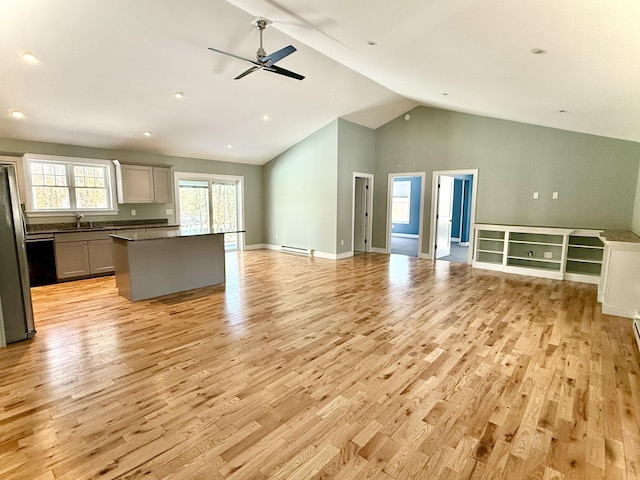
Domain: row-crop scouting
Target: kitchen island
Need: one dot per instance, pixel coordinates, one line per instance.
(150, 264)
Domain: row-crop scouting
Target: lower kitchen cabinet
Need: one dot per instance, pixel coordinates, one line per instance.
(83, 254)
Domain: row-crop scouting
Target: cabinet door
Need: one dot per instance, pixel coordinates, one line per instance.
(137, 184)
(72, 259)
(162, 185)
(100, 256)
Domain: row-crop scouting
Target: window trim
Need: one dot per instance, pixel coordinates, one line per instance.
(69, 162)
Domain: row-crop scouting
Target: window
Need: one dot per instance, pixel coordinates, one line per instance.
(64, 184)
(401, 206)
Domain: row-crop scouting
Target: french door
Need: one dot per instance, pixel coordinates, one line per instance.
(207, 202)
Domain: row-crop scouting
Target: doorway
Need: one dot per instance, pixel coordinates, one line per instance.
(210, 202)
(405, 213)
(362, 213)
(453, 214)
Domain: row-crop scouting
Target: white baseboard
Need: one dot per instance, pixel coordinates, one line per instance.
(455, 239)
(255, 246)
(378, 250)
(464, 244)
(426, 256)
(404, 235)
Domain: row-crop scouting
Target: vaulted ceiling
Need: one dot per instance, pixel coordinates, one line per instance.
(108, 71)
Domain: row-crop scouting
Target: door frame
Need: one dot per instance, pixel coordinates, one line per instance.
(434, 207)
(369, 228)
(212, 178)
(390, 179)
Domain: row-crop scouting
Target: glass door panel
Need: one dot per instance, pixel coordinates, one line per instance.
(194, 205)
(225, 211)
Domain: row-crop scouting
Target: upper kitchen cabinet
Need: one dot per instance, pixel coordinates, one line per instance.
(143, 184)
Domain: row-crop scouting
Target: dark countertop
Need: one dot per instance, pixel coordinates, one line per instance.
(51, 228)
(624, 236)
(161, 235)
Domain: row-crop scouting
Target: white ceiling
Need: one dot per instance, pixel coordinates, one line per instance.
(108, 70)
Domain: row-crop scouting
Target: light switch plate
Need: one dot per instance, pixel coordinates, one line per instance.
(133, 213)
(555, 195)
(535, 195)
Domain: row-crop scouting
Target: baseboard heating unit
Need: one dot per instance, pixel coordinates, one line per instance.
(636, 327)
(296, 250)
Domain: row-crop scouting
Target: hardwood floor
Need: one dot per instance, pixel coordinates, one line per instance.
(377, 366)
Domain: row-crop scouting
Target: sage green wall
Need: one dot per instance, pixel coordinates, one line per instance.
(635, 226)
(596, 177)
(252, 181)
(356, 153)
(300, 191)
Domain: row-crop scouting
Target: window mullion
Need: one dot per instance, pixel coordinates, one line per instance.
(72, 186)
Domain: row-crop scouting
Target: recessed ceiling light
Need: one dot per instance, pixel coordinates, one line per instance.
(562, 111)
(266, 117)
(147, 134)
(17, 114)
(229, 146)
(29, 57)
(372, 43)
(538, 51)
(178, 94)
(445, 94)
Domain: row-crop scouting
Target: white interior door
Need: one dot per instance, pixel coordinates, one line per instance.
(360, 215)
(444, 217)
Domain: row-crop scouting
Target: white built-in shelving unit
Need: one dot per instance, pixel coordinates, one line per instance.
(548, 252)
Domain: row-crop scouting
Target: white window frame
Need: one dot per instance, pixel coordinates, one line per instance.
(408, 199)
(112, 208)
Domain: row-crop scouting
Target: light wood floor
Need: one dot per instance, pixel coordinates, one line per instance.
(379, 366)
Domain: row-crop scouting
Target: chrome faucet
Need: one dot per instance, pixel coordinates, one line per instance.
(78, 218)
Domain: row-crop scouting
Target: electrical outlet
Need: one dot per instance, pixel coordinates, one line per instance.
(548, 254)
(133, 213)
(276, 236)
(341, 242)
(535, 195)
(555, 195)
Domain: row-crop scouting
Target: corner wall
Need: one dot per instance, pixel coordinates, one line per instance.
(356, 153)
(635, 226)
(594, 176)
(300, 193)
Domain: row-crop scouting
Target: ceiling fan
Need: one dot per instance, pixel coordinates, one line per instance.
(264, 61)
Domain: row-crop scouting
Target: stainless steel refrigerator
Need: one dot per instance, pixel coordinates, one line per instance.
(16, 314)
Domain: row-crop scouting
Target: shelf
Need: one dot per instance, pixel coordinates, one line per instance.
(499, 252)
(585, 241)
(588, 247)
(536, 243)
(584, 260)
(535, 259)
(501, 240)
(533, 264)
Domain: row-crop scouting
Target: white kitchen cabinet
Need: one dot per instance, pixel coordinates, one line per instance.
(619, 290)
(143, 184)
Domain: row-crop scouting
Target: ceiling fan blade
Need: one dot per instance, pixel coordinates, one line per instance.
(247, 72)
(279, 55)
(283, 71)
(234, 56)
